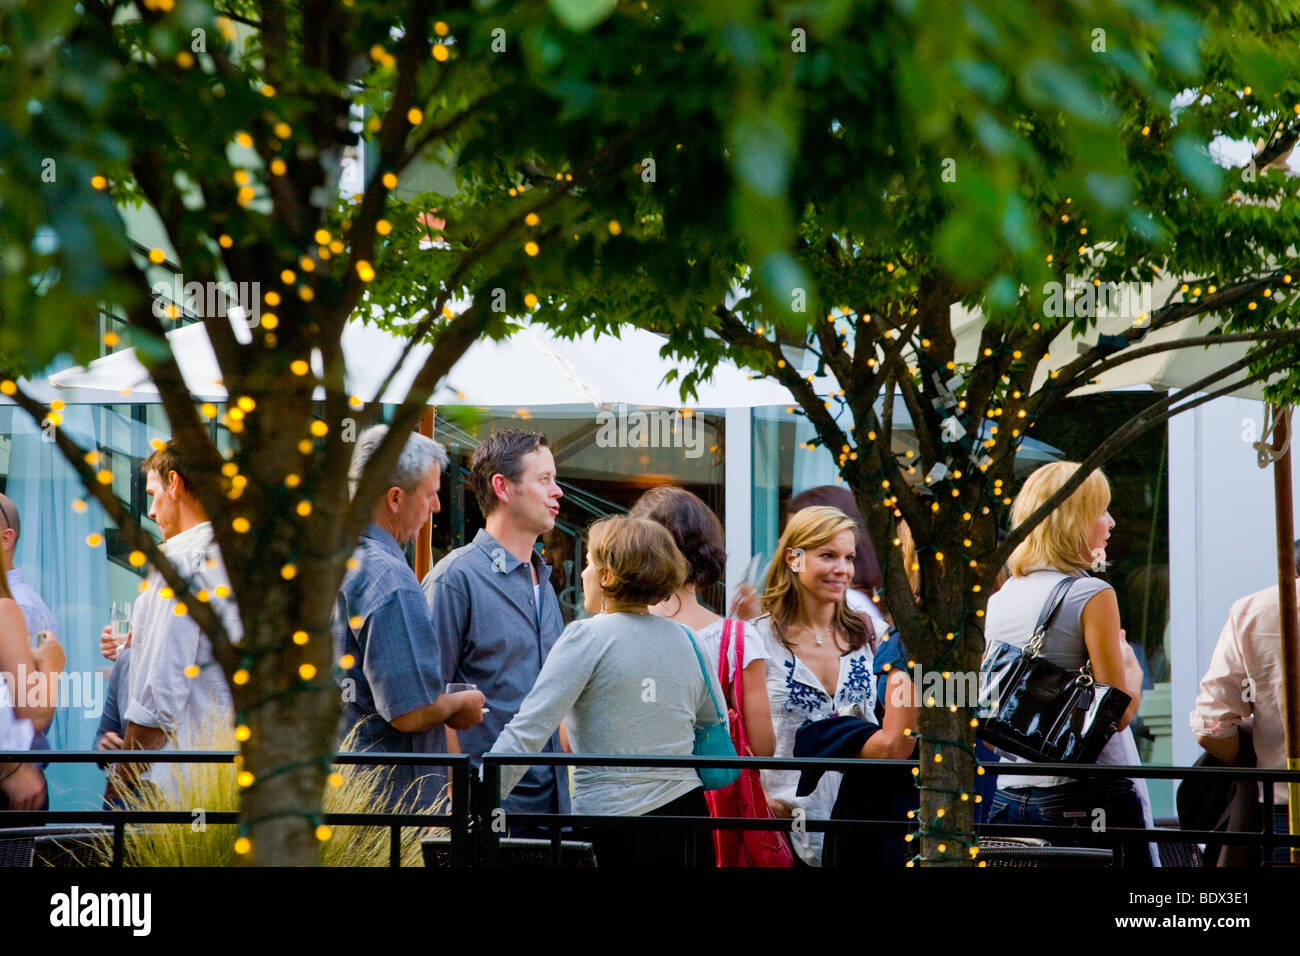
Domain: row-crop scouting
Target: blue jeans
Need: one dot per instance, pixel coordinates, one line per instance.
(1076, 805)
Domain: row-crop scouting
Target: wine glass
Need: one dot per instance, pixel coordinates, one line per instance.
(121, 622)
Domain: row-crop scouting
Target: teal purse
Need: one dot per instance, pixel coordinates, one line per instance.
(714, 740)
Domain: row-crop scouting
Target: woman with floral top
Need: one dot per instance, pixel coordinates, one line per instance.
(819, 659)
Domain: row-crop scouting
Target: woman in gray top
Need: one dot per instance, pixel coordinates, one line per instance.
(1086, 627)
(631, 684)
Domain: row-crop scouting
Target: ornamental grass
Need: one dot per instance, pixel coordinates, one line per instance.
(206, 788)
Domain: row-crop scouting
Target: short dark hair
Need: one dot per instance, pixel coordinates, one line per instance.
(165, 460)
(696, 530)
(644, 564)
(501, 453)
(9, 514)
(866, 569)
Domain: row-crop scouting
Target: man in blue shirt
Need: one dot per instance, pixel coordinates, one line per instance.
(393, 692)
(494, 611)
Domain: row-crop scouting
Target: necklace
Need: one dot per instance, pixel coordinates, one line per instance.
(817, 635)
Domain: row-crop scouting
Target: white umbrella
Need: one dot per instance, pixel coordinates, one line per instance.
(1174, 368)
(530, 368)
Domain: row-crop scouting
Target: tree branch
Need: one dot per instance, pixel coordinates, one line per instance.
(1134, 427)
(200, 610)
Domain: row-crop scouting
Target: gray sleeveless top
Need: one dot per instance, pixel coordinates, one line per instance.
(1012, 613)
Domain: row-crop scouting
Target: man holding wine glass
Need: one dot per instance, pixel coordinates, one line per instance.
(394, 697)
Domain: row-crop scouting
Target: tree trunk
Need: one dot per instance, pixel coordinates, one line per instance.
(947, 814)
(948, 690)
(293, 726)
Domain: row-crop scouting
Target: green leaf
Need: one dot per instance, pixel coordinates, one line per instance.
(1193, 161)
(582, 15)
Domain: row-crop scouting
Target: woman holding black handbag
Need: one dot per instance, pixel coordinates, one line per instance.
(1084, 629)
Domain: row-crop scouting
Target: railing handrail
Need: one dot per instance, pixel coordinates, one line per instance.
(686, 761)
(470, 817)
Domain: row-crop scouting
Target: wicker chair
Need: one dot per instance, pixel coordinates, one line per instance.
(1037, 856)
(517, 853)
(1178, 854)
(52, 846)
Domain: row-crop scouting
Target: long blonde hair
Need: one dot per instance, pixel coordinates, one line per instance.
(1063, 537)
(808, 528)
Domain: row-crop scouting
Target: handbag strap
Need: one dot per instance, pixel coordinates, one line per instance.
(1053, 603)
(732, 626)
(722, 655)
(704, 671)
(739, 669)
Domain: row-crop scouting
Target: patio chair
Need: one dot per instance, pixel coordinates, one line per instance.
(1178, 854)
(1039, 856)
(51, 846)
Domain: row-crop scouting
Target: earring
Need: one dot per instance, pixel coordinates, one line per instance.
(602, 604)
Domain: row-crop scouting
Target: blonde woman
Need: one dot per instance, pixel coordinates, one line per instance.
(631, 683)
(1085, 628)
(819, 659)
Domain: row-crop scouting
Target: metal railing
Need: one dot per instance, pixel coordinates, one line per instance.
(474, 817)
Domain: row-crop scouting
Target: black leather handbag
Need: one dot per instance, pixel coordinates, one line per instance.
(1041, 711)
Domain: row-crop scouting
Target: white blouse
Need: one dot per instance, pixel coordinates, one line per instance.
(797, 697)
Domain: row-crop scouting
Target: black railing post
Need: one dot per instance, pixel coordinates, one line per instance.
(487, 815)
(119, 843)
(460, 813)
(1268, 847)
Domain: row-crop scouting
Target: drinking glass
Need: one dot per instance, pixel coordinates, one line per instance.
(121, 622)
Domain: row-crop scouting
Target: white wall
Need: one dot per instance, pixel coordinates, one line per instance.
(739, 477)
(1222, 539)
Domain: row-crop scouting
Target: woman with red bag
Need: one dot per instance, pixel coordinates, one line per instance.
(740, 658)
(820, 654)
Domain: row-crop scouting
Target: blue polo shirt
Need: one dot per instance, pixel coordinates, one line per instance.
(398, 667)
(493, 632)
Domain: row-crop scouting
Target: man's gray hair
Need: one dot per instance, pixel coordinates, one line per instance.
(420, 456)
